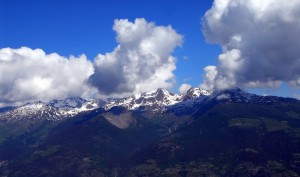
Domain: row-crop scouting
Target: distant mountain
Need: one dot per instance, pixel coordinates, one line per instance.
(156, 133)
(54, 110)
(239, 96)
(156, 101)
(171, 110)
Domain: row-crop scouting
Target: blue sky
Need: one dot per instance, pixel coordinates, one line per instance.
(85, 27)
(73, 28)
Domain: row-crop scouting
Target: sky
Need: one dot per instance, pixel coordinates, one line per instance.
(85, 26)
(113, 48)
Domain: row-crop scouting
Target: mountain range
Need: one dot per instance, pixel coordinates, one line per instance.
(157, 133)
(154, 101)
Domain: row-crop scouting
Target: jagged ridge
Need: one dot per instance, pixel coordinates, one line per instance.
(54, 110)
(156, 101)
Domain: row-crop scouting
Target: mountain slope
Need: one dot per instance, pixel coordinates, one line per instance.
(231, 139)
(84, 146)
(200, 133)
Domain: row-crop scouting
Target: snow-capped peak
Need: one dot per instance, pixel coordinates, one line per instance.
(72, 102)
(159, 98)
(54, 110)
(197, 92)
(156, 99)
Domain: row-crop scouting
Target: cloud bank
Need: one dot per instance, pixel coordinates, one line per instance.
(141, 62)
(260, 42)
(29, 75)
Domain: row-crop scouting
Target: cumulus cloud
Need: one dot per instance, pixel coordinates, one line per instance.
(260, 42)
(184, 88)
(29, 75)
(142, 60)
(210, 76)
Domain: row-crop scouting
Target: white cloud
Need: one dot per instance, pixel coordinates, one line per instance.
(29, 75)
(260, 42)
(223, 97)
(209, 78)
(141, 62)
(184, 88)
